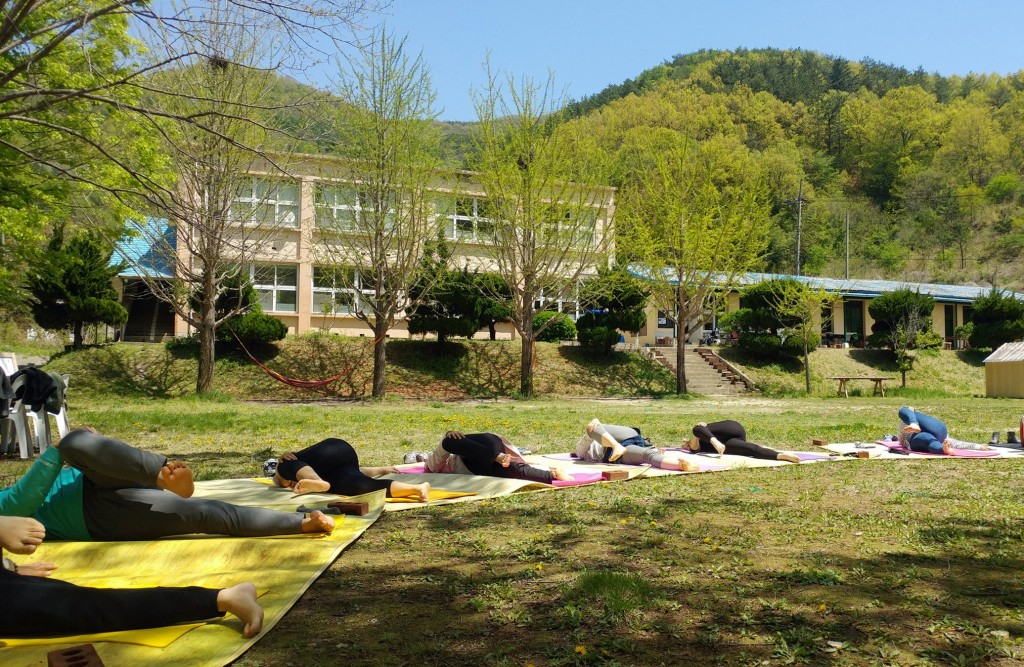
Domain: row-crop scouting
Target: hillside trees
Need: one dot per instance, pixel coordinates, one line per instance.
(546, 187)
(376, 218)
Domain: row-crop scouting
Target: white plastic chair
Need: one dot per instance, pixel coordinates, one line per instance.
(41, 422)
(18, 419)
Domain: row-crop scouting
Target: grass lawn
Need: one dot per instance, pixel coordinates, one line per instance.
(853, 563)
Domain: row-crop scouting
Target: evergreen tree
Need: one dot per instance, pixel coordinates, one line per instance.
(997, 318)
(73, 285)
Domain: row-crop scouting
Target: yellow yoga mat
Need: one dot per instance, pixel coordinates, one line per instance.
(435, 494)
(282, 566)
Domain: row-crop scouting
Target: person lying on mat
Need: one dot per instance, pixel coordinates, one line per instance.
(486, 454)
(332, 466)
(919, 432)
(729, 437)
(41, 607)
(116, 492)
(605, 443)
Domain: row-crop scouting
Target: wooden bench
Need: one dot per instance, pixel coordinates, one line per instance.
(879, 387)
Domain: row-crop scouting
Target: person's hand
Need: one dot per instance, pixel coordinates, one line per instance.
(36, 569)
(454, 435)
(289, 456)
(702, 424)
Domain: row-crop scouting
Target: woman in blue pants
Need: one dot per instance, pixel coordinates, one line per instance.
(920, 432)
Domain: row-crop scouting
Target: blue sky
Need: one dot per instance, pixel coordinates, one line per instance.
(590, 44)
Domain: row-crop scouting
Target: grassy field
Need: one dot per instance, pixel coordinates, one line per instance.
(852, 563)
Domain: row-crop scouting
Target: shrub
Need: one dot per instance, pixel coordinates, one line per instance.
(769, 345)
(254, 327)
(188, 343)
(597, 339)
(562, 328)
(902, 309)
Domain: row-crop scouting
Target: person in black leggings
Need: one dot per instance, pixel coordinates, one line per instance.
(332, 465)
(486, 454)
(729, 437)
(40, 607)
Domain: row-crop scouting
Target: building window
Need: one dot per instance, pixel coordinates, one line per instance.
(276, 286)
(469, 220)
(337, 207)
(265, 202)
(338, 286)
(567, 305)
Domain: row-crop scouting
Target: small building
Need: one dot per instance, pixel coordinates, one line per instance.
(1004, 371)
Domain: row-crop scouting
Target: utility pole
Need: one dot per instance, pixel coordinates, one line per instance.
(847, 245)
(799, 221)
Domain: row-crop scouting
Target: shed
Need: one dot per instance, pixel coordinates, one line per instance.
(1004, 371)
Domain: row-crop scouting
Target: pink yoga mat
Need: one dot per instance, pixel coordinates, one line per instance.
(963, 453)
(579, 478)
(413, 470)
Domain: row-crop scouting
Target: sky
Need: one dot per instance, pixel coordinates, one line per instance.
(590, 44)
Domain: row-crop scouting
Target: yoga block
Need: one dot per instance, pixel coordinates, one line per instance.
(614, 475)
(819, 442)
(83, 655)
(867, 454)
(355, 509)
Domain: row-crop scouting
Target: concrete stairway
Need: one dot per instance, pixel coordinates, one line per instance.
(706, 373)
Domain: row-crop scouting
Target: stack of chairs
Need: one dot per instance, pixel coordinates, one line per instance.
(27, 429)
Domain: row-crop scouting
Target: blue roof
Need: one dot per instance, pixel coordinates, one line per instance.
(869, 289)
(138, 252)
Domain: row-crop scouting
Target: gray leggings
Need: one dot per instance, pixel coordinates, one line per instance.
(635, 454)
(120, 499)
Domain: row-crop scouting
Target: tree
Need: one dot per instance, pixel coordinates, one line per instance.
(695, 216)
(615, 301)
(77, 127)
(804, 304)
(901, 318)
(545, 186)
(223, 218)
(451, 306)
(383, 209)
(998, 318)
(73, 285)
(492, 295)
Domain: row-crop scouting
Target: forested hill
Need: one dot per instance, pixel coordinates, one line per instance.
(789, 75)
(928, 169)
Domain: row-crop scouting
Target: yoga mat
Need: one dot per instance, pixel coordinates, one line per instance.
(412, 468)
(964, 453)
(565, 456)
(578, 479)
(435, 495)
(807, 456)
(152, 638)
(284, 566)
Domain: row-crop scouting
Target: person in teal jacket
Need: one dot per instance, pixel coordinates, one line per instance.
(112, 491)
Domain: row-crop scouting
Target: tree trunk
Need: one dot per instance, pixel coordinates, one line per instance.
(493, 331)
(903, 382)
(76, 335)
(807, 367)
(681, 330)
(528, 350)
(207, 335)
(207, 354)
(380, 361)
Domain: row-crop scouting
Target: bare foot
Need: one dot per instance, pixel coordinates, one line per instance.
(20, 534)
(36, 569)
(561, 475)
(792, 458)
(176, 477)
(678, 464)
(240, 600)
(311, 486)
(717, 444)
(424, 492)
(504, 460)
(317, 522)
(947, 448)
(377, 471)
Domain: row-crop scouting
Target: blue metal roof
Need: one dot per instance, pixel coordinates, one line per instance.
(138, 252)
(869, 289)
